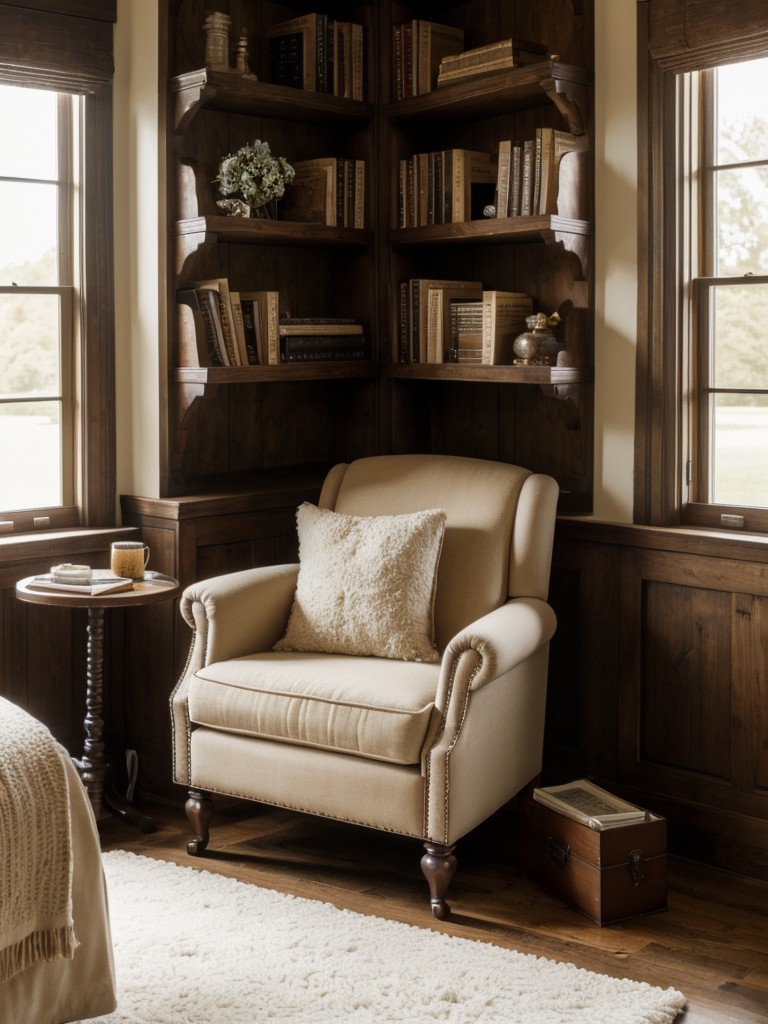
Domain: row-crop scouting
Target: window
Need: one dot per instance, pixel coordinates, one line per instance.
(729, 415)
(37, 300)
(702, 382)
(56, 288)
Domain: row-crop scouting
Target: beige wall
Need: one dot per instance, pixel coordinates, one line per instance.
(139, 249)
(139, 253)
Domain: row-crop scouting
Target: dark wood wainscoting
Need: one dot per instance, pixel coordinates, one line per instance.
(659, 680)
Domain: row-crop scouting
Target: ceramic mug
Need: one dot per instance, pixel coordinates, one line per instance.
(129, 558)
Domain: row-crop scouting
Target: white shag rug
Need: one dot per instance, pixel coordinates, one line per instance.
(194, 947)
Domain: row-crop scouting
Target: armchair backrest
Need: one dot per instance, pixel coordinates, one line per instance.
(499, 529)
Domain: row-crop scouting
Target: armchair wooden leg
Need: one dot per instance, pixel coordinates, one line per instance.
(199, 810)
(438, 866)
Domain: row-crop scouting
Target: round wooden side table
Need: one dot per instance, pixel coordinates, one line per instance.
(92, 766)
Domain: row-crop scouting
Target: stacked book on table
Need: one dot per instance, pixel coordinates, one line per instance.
(102, 581)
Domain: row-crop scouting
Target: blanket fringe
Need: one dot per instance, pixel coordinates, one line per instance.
(51, 944)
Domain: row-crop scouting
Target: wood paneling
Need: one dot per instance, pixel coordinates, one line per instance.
(661, 657)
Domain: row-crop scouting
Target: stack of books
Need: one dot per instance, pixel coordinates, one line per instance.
(102, 581)
(498, 56)
(529, 173)
(315, 339)
(315, 53)
(326, 190)
(445, 187)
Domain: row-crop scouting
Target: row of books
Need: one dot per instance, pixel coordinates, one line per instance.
(315, 53)
(326, 190)
(528, 174)
(248, 328)
(458, 321)
(418, 48)
(445, 187)
(497, 56)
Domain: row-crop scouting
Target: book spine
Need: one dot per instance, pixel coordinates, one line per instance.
(536, 191)
(515, 179)
(273, 339)
(397, 60)
(250, 330)
(526, 188)
(504, 161)
(403, 349)
(358, 62)
(208, 302)
(359, 218)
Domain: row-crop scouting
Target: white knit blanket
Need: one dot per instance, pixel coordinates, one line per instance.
(35, 845)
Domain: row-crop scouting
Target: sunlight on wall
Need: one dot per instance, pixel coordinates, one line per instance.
(615, 257)
(139, 252)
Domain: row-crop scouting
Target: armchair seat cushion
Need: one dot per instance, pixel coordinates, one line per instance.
(368, 707)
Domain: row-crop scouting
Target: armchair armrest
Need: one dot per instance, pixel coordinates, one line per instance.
(504, 637)
(491, 696)
(233, 615)
(239, 613)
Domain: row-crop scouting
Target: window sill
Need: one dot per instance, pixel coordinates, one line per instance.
(22, 553)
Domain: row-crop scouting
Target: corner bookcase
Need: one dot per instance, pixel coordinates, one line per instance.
(231, 427)
(247, 444)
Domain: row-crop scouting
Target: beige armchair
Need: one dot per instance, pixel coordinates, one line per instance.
(422, 748)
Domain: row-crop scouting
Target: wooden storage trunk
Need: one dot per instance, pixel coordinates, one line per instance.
(608, 875)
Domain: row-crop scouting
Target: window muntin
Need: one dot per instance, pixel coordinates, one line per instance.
(37, 304)
(729, 392)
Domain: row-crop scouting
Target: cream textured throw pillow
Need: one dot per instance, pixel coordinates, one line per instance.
(366, 584)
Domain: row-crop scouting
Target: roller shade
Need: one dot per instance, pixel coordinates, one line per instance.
(65, 46)
(687, 35)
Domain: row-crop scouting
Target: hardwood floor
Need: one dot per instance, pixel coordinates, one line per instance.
(711, 943)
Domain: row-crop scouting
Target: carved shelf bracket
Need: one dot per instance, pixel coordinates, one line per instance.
(561, 94)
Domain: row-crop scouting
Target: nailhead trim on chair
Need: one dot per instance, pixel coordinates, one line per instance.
(440, 731)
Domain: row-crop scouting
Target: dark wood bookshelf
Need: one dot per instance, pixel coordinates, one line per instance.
(230, 92)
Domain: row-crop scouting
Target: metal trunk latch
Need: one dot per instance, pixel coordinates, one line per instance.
(558, 851)
(636, 866)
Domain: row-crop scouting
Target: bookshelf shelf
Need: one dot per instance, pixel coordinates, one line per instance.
(490, 374)
(492, 231)
(321, 370)
(230, 92)
(500, 92)
(253, 231)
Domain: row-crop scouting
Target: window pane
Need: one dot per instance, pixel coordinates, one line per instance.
(29, 345)
(740, 316)
(30, 455)
(742, 221)
(740, 465)
(25, 153)
(28, 234)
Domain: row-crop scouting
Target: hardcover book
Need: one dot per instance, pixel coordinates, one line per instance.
(589, 804)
